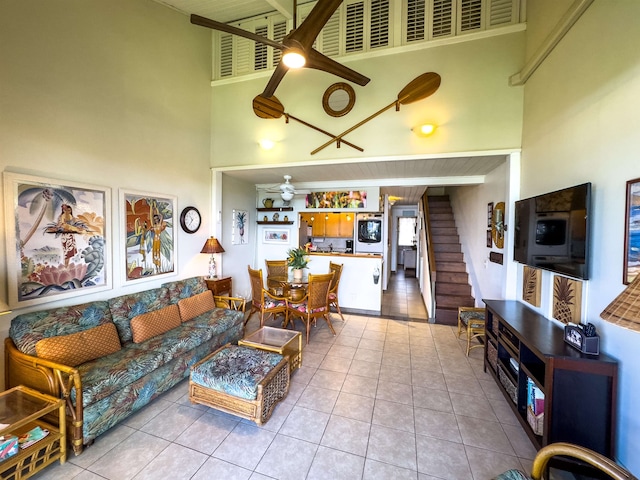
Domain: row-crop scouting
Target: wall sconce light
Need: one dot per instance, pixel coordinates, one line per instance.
(424, 130)
(212, 246)
(267, 144)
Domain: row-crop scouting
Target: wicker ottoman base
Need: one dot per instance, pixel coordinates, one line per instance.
(271, 389)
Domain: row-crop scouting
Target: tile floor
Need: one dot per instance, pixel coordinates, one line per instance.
(383, 399)
(402, 300)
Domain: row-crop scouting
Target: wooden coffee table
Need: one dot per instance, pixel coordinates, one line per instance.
(279, 340)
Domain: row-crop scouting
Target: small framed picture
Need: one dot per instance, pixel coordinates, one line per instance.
(631, 266)
(489, 239)
(489, 215)
(276, 235)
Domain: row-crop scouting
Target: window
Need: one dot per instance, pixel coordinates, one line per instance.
(407, 231)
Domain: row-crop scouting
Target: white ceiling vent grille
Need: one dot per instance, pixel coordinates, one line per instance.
(354, 41)
(442, 23)
(260, 49)
(361, 26)
(331, 36)
(470, 15)
(225, 60)
(415, 21)
(379, 36)
(501, 12)
(279, 31)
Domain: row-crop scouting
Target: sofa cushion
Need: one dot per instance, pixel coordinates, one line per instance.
(189, 287)
(80, 347)
(197, 305)
(29, 328)
(151, 324)
(125, 307)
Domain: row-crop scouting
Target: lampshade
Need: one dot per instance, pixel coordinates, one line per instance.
(625, 309)
(212, 245)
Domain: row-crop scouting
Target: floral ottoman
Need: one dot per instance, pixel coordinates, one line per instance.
(240, 380)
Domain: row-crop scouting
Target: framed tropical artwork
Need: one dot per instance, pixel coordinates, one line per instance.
(276, 235)
(148, 223)
(58, 239)
(240, 227)
(631, 266)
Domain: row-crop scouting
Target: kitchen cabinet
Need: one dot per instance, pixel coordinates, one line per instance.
(577, 392)
(333, 225)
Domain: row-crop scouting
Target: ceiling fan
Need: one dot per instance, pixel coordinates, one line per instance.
(286, 190)
(297, 45)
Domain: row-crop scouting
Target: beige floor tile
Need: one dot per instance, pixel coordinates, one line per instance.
(486, 434)
(316, 398)
(354, 406)
(347, 435)
(216, 468)
(244, 446)
(392, 446)
(331, 464)
(374, 470)
(433, 423)
(287, 458)
(488, 464)
(442, 459)
(206, 433)
(360, 385)
(342, 351)
(477, 407)
(305, 424)
(101, 446)
(395, 392)
(371, 344)
(175, 462)
(364, 369)
(172, 422)
(335, 364)
(432, 399)
(394, 415)
(392, 373)
(328, 379)
(366, 355)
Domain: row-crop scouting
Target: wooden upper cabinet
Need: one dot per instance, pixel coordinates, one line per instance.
(329, 224)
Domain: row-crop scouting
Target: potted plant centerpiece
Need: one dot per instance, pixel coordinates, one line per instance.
(297, 260)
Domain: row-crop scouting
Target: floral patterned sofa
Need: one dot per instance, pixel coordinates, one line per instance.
(110, 358)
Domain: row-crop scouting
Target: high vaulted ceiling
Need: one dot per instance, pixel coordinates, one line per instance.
(406, 180)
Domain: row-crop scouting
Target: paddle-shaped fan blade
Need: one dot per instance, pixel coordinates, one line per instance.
(309, 29)
(276, 78)
(223, 27)
(319, 61)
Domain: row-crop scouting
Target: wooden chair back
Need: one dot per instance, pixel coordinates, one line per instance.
(318, 291)
(276, 268)
(336, 268)
(257, 286)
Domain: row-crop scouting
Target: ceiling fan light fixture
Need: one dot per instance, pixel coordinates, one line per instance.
(294, 58)
(286, 196)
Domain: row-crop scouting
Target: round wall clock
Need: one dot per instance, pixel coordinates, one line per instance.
(190, 219)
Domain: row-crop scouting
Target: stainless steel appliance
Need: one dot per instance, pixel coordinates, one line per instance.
(369, 233)
(349, 246)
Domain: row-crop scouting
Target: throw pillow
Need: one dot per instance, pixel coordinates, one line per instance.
(151, 324)
(196, 305)
(80, 347)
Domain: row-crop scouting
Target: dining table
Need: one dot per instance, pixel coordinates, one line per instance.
(289, 286)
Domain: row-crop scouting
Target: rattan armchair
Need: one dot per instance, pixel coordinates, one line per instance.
(314, 304)
(600, 462)
(471, 319)
(336, 268)
(232, 303)
(263, 301)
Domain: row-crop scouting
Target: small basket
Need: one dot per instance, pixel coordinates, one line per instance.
(535, 421)
(492, 355)
(494, 326)
(508, 385)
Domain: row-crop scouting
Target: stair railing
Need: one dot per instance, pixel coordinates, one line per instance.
(431, 257)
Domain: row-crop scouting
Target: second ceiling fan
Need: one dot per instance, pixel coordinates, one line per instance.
(298, 41)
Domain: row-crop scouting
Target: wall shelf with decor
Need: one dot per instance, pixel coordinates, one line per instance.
(276, 209)
(557, 393)
(261, 222)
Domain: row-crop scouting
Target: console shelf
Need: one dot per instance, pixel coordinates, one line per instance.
(579, 390)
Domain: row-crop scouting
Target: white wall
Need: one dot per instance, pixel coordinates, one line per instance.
(474, 107)
(113, 94)
(581, 123)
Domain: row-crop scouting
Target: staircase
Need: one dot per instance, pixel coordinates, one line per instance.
(452, 281)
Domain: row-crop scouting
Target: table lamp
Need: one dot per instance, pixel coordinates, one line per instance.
(212, 246)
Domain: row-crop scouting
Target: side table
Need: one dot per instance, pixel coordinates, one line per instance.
(278, 340)
(220, 286)
(22, 409)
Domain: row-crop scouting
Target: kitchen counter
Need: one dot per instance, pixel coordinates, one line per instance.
(358, 290)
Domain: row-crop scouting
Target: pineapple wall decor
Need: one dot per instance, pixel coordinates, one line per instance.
(531, 286)
(567, 299)
(239, 233)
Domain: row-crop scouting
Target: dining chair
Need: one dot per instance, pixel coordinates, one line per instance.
(336, 268)
(232, 303)
(314, 304)
(263, 301)
(471, 319)
(276, 268)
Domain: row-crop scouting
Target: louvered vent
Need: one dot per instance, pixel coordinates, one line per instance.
(379, 36)
(279, 31)
(226, 55)
(501, 12)
(415, 20)
(470, 15)
(442, 18)
(260, 49)
(331, 36)
(354, 41)
(242, 50)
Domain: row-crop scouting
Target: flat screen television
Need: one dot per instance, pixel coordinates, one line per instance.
(552, 231)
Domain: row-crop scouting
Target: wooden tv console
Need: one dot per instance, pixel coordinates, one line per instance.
(580, 390)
